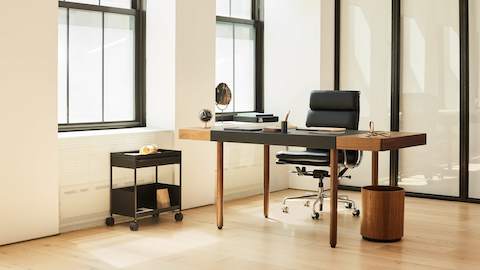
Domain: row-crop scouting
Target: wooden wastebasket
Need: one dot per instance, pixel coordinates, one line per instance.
(383, 213)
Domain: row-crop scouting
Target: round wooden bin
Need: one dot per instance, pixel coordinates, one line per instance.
(383, 213)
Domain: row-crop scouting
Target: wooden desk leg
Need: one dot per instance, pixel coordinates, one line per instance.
(333, 196)
(375, 168)
(219, 201)
(266, 179)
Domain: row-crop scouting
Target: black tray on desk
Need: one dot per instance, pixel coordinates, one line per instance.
(139, 201)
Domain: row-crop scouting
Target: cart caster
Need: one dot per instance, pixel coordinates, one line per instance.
(316, 215)
(356, 213)
(285, 209)
(348, 205)
(110, 221)
(178, 217)
(155, 215)
(307, 204)
(133, 226)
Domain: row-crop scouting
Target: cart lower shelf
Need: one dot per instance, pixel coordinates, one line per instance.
(123, 201)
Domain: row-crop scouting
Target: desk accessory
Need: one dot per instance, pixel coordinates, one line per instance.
(278, 128)
(223, 96)
(255, 117)
(373, 133)
(205, 116)
(284, 124)
(148, 149)
(240, 128)
(163, 198)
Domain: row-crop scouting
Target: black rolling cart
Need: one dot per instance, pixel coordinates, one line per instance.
(139, 201)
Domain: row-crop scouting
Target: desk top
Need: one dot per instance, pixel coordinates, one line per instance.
(348, 140)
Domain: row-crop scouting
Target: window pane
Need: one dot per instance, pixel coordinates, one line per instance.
(224, 58)
(244, 68)
(429, 99)
(474, 31)
(117, 3)
(91, 2)
(62, 66)
(241, 9)
(119, 67)
(223, 8)
(85, 70)
(365, 66)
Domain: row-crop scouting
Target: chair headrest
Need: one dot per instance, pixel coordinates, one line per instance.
(334, 100)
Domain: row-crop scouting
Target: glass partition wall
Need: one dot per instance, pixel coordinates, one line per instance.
(474, 114)
(430, 95)
(417, 66)
(365, 66)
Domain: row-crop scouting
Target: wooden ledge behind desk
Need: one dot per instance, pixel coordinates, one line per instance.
(197, 133)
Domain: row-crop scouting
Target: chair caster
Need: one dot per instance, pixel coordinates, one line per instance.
(356, 213)
(110, 221)
(178, 217)
(133, 226)
(307, 204)
(285, 209)
(348, 205)
(316, 215)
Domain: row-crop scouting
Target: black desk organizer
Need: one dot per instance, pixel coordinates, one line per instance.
(141, 201)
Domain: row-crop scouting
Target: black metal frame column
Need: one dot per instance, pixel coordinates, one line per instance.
(395, 85)
(464, 98)
(336, 68)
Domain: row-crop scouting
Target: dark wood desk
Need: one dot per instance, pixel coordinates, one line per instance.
(349, 140)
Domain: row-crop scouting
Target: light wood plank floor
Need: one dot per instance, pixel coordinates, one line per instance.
(438, 235)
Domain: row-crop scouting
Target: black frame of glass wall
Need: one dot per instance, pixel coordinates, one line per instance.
(258, 22)
(396, 90)
(138, 11)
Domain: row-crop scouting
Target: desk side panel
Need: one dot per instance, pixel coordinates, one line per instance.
(396, 140)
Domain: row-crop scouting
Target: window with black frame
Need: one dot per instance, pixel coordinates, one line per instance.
(239, 53)
(100, 64)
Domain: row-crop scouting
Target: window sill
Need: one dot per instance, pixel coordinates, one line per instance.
(109, 132)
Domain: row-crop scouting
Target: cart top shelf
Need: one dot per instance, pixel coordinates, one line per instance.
(132, 159)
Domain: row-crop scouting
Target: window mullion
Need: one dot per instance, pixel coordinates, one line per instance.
(103, 66)
(234, 65)
(68, 65)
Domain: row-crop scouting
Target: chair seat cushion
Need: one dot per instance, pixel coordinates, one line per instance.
(314, 157)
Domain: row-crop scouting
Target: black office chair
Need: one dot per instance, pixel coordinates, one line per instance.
(327, 109)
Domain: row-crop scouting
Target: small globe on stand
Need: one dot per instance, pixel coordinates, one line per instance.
(205, 116)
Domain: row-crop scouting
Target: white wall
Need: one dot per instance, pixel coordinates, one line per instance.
(297, 60)
(195, 84)
(28, 114)
(160, 39)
